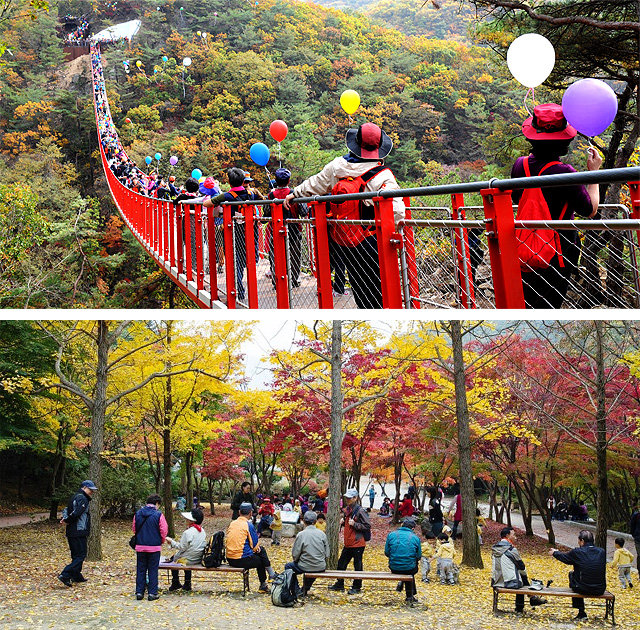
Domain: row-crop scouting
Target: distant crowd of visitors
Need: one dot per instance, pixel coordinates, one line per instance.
(79, 34)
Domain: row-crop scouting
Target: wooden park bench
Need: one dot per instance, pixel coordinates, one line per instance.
(610, 598)
(224, 568)
(357, 575)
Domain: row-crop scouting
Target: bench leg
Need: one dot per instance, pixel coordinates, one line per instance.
(495, 602)
(304, 586)
(245, 582)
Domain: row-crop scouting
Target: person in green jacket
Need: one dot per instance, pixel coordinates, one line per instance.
(404, 551)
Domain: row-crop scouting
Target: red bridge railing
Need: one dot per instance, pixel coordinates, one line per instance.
(424, 262)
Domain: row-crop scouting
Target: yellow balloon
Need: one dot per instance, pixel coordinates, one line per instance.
(350, 101)
(199, 33)
(138, 63)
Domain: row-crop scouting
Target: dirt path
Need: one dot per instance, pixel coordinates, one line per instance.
(22, 519)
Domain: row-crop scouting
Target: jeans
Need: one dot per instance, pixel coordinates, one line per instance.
(297, 569)
(348, 554)
(425, 563)
(147, 567)
(258, 561)
(78, 549)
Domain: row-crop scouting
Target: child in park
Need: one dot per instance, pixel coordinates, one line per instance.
(445, 554)
(480, 523)
(276, 526)
(321, 523)
(428, 553)
(623, 559)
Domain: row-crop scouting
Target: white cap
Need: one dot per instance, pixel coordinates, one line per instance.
(351, 493)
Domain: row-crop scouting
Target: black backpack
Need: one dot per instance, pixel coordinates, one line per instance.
(213, 555)
(284, 589)
(366, 534)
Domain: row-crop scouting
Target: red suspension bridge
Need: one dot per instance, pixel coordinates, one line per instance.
(435, 258)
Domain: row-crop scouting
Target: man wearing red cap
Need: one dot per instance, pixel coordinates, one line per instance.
(368, 146)
(550, 135)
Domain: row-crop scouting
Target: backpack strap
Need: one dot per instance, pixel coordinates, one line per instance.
(527, 172)
(366, 177)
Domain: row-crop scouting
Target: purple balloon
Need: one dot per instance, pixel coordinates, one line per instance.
(589, 105)
(173, 160)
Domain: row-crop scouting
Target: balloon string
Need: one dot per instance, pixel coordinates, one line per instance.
(269, 177)
(529, 91)
(279, 156)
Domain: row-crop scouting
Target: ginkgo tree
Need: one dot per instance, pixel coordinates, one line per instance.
(197, 362)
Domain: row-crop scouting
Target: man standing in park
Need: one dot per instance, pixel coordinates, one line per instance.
(404, 551)
(242, 496)
(508, 570)
(244, 550)
(634, 529)
(78, 522)
(589, 575)
(357, 529)
(372, 496)
(310, 550)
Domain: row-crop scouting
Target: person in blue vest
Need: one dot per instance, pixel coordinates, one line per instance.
(238, 192)
(404, 550)
(151, 529)
(78, 521)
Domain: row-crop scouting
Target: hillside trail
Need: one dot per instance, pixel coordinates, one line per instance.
(22, 519)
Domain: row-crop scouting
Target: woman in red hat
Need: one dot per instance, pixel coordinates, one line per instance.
(550, 136)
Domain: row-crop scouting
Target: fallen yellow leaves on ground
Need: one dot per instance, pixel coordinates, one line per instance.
(32, 597)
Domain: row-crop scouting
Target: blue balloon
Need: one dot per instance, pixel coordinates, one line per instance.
(260, 153)
(165, 59)
(158, 156)
(196, 173)
(148, 159)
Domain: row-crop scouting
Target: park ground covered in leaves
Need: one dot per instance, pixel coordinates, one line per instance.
(32, 597)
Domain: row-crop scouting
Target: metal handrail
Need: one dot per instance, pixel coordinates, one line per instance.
(612, 175)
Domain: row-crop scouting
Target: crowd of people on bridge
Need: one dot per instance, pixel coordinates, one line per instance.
(407, 554)
(76, 31)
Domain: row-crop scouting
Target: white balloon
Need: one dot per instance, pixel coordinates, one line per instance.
(186, 62)
(531, 58)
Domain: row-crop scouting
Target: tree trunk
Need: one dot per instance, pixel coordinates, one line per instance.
(602, 516)
(166, 480)
(212, 508)
(166, 443)
(98, 417)
(335, 456)
(471, 556)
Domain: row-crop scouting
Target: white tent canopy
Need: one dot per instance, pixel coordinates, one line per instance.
(126, 30)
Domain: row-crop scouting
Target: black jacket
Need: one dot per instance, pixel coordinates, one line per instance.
(241, 497)
(589, 568)
(634, 525)
(78, 518)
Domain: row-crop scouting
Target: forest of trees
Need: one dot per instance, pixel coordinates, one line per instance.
(438, 85)
(548, 408)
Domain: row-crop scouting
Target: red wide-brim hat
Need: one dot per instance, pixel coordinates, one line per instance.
(548, 123)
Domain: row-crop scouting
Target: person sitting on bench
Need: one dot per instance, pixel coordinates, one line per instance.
(244, 550)
(508, 570)
(310, 550)
(190, 548)
(589, 575)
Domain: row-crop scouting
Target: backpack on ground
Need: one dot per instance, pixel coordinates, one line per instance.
(536, 247)
(353, 209)
(284, 588)
(213, 555)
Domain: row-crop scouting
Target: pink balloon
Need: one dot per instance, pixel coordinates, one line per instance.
(278, 130)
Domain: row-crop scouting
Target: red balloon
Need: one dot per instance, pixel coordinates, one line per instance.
(278, 130)
(127, 120)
